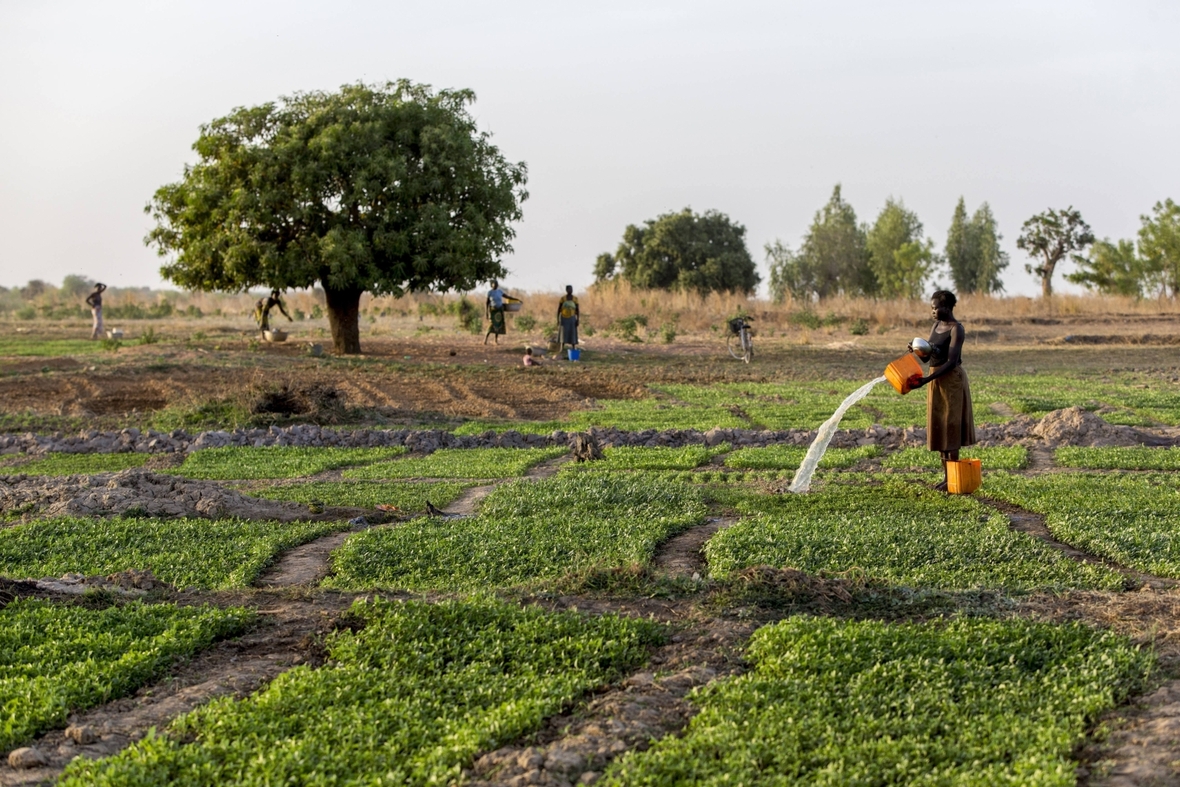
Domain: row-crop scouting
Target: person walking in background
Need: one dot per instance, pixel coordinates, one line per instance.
(494, 307)
(950, 420)
(94, 301)
(568, 315)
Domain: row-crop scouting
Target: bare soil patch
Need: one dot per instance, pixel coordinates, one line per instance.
(683, 554)
(145, 494)
(306, 564)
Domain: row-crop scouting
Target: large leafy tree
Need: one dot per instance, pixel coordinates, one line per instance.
(699, 253)
(1159, 245)
(1048, 237)
(384, 189)
(901, 260)
(1110, 268)
(834, 257)
(835, 249)
(973, 251)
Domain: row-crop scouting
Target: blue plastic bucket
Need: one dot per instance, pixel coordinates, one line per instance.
(574, 353)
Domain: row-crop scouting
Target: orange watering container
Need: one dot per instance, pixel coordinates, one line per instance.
(963, 477)
(899, 372)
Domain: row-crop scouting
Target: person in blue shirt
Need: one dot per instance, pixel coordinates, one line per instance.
(494, 306)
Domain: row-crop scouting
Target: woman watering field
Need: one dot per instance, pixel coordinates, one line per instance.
(950, 422)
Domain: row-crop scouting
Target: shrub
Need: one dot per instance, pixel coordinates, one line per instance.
(625, 327)
(469, 317)
(525, 322)
(805, 319)
(859, 327)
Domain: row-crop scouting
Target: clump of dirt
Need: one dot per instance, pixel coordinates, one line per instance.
(585, 448)
(136, 493)
(1074, 426)
(322, 402)
(136, 579)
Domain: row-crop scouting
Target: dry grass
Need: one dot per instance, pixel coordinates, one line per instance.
(603, 305)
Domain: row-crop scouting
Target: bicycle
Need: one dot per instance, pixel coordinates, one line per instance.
(741, 339)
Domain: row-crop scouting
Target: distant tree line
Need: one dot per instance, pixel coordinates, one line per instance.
(1146, 267)
(890, 258)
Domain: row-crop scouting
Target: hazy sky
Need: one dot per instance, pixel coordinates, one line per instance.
(622, 111)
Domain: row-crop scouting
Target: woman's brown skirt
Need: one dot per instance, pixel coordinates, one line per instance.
(950, 422)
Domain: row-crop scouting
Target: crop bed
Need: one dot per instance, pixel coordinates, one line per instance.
(56, 658)
(277, 461)
(200, 553)
(524, 532)
(460, 463)
(971, 702)
(898, 531)
(410, 698)
(1132, 519)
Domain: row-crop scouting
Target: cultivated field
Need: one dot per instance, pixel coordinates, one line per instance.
(231, 562)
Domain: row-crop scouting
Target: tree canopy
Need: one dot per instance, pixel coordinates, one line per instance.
(1159, 245)
(900, 259)
(973, 251)
(699, 253)
(1049, 237)
(833, 258)
(1110, 268)
(384, 189)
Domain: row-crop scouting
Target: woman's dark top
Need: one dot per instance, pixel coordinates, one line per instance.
(940, 345)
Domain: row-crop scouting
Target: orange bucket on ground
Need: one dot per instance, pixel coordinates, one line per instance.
(900, 371)
(964, 476)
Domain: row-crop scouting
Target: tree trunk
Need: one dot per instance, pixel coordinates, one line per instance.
(1046, 278)
(344, 308)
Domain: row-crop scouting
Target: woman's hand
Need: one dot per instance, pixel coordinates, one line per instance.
(915, 381)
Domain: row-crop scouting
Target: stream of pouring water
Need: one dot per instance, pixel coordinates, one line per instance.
(802, 480)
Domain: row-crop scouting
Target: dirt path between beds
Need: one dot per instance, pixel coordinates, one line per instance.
(1033, 523)
(683, 555)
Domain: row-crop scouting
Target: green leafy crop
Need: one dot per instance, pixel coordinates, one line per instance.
(56, 659)
(82, 464)
(991, 458)
(222, 553)
(789, 457)
(410, 698)
(240, 463)
(524, 532)
(461, 463)
(1133, 520)
(829, 702)
(644, 458)
(1130, 458)
(896, 531)
(409, 497)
